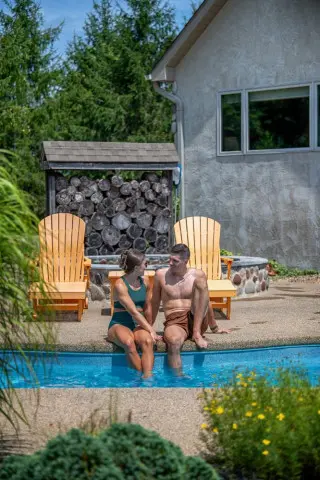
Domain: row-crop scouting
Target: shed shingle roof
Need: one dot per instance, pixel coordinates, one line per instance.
(59, 152)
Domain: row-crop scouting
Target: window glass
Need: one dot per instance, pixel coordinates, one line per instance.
(279, 119)
(231, 122)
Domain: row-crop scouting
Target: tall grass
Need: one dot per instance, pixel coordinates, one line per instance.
(18, 252)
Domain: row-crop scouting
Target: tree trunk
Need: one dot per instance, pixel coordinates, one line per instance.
(97, 197)
(150, 195)
(110, 235)
(61, 183)
(140, 244)
(119, 204)
(104, 185)
(106, 250)
(78, 197)
(86, 208)
(134, 231)
(126, 189)
(144, 220)
(144, 185)
(114, 192)
(121, 220)
(75, 181)
(63, 197)
(150, 234)
(117, 181)
(162, 224)
(157, 187)
(125, 242)
(94, 240)
(162, 242)
(91, 251)
(99, 221)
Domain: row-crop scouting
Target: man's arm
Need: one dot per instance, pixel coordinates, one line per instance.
(156, 296)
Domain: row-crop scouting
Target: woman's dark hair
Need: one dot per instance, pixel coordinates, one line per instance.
(131, 258)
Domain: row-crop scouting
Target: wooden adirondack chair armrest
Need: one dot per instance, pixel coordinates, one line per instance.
(87, 267)
(87, 262)
(228, 262)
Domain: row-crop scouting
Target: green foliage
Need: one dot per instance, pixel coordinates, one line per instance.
(225, 253)
(123, 451)
(264, 431)
(18, 251)
(105, 95)
(29, 76)
(284, 271)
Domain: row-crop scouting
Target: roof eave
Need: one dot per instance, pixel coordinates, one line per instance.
(164, 71)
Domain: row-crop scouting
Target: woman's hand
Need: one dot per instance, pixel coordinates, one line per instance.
(155, 337)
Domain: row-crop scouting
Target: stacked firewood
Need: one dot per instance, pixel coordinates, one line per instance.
(119, 214)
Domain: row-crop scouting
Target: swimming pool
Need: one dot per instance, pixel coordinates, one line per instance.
(201, 369)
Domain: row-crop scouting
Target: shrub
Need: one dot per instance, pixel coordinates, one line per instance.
(284, 271)
(120, 452)
(265, 427)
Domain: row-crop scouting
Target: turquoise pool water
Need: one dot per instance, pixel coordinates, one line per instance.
(201, 369)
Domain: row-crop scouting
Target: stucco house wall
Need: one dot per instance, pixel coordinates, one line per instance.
(268, 204)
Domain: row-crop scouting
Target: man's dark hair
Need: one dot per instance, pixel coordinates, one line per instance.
(181, 249)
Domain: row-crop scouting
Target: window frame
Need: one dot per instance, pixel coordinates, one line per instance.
(313, 120)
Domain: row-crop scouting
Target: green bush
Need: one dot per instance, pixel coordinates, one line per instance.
(284, 271)
(121, 452)
(264, 427)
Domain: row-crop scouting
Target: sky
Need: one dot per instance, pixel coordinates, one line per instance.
(73, 13)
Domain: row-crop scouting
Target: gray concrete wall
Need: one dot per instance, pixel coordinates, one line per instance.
(268, 204)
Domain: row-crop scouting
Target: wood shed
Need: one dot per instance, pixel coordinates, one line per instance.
(119, 212)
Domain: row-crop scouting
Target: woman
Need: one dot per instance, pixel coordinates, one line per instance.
(130, 324)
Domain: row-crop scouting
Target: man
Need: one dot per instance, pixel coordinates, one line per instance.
(185, 300)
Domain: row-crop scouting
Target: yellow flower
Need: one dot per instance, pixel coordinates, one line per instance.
(215, 430)
(280, 417)
(265, 452)
(261, 416)
(252, 373)
(244, 384)
(204, 426)
(318, 412)
(254, 404)
(239, 375)
(234, 426)
(220, 410)
(249, 414)
(300, 399)
(206, 408)
(266, 442)
(269, 409)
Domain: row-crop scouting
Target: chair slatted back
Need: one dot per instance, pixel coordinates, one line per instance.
(202, 235)
(62, 248)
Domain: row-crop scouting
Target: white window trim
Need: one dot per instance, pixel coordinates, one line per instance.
(313, 121)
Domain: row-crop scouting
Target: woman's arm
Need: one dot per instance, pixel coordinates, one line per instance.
(128, 304)
(147, 305)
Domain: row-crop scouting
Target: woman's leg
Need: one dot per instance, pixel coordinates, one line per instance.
(144, 341)
(123, 337)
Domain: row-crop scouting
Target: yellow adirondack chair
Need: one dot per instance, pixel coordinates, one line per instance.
(202, 235)
(63, 268)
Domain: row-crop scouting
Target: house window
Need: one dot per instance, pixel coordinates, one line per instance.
(231, 122)
(279, 119)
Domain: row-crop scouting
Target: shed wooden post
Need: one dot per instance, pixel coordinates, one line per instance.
(51, 193)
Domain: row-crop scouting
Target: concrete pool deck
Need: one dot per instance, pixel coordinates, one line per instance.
(289, 313)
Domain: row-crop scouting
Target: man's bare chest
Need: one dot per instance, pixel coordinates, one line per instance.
(181, 289)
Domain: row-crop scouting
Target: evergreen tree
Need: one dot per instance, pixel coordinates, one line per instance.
(29, 76)
(106, 96)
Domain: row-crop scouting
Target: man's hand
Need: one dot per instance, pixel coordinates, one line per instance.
(217, 329)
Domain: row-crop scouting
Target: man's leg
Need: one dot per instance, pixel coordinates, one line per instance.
(174, 336)
(144, 341)
(199, 308)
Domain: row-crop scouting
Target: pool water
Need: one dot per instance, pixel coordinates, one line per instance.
(201, 369)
